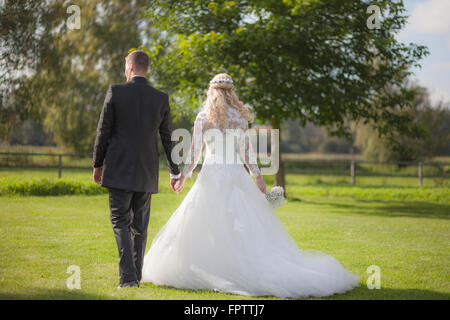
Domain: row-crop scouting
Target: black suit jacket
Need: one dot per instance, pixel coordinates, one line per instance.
(126, 141)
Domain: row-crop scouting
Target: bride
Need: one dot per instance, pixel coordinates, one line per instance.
(224, 236)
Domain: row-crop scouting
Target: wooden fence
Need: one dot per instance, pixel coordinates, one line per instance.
(343, 167)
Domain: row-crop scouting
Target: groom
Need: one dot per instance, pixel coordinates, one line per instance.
(126, 160)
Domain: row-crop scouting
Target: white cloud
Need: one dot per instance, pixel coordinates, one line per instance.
(431, 16)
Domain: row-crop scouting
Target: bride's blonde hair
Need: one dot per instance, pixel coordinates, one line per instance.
(221, 96)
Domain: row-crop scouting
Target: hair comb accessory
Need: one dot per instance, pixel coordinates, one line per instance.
(223, 80)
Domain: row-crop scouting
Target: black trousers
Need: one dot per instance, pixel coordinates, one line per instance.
(130, 214)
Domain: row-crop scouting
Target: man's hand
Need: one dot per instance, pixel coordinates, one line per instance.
(179, 184)
(172, 183)
(97, 175)
(261, 184)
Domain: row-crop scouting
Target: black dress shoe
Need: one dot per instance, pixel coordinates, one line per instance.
(128, 284)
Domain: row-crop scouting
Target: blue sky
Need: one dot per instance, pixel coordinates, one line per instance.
(429, 25)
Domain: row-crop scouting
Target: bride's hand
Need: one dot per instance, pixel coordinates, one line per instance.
(179, 184)
(261, 184)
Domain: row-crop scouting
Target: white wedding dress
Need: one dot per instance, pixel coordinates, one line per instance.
(224, 236)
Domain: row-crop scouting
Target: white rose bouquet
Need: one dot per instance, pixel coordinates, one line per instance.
(275, 197)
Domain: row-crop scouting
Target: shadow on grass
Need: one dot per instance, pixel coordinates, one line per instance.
(363, 293)
(359, 293)
(205, 293)
(359, 186)
(387, 208)
(52, 294)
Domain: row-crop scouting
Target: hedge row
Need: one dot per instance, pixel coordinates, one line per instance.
(431, 194)
(49, 187)
(54, 187)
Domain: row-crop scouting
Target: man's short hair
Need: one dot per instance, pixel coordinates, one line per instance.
(139, 59)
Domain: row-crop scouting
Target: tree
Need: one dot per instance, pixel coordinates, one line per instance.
(311, 138)
(434, 120)
(26, 44)
(31, 133)
(314, 60)
(59, 76)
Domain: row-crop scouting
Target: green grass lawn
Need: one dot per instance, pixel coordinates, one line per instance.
(396, 227)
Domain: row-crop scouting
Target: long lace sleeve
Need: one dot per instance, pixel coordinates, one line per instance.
(195, 151)
(249, 154)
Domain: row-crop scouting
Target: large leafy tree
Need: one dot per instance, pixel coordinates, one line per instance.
(59, 75)
(434, 121)
(315, 60)
(26, 45)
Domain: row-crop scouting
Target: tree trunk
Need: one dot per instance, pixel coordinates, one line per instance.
(280, 179)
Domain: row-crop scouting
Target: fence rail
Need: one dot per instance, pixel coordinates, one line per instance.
(344, 167)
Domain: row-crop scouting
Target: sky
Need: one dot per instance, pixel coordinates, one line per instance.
(429, 25)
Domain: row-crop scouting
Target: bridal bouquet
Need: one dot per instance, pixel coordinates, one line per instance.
(275, 197)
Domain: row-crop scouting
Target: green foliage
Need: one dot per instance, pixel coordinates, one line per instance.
(311, 138)
(433, 120)
(47, 187)
(31, 133)
(68, 71)
(44, 182)
(315, 60)
(432, 194)
(27, 46)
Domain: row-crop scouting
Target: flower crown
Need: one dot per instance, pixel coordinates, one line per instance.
(221, 81)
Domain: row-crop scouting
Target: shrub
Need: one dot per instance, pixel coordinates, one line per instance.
(49, 187)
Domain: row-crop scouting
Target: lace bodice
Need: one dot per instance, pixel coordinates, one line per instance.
(221, 144)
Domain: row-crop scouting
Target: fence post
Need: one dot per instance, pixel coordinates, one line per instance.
(352, 171)
(420, 173)
(59, 165)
